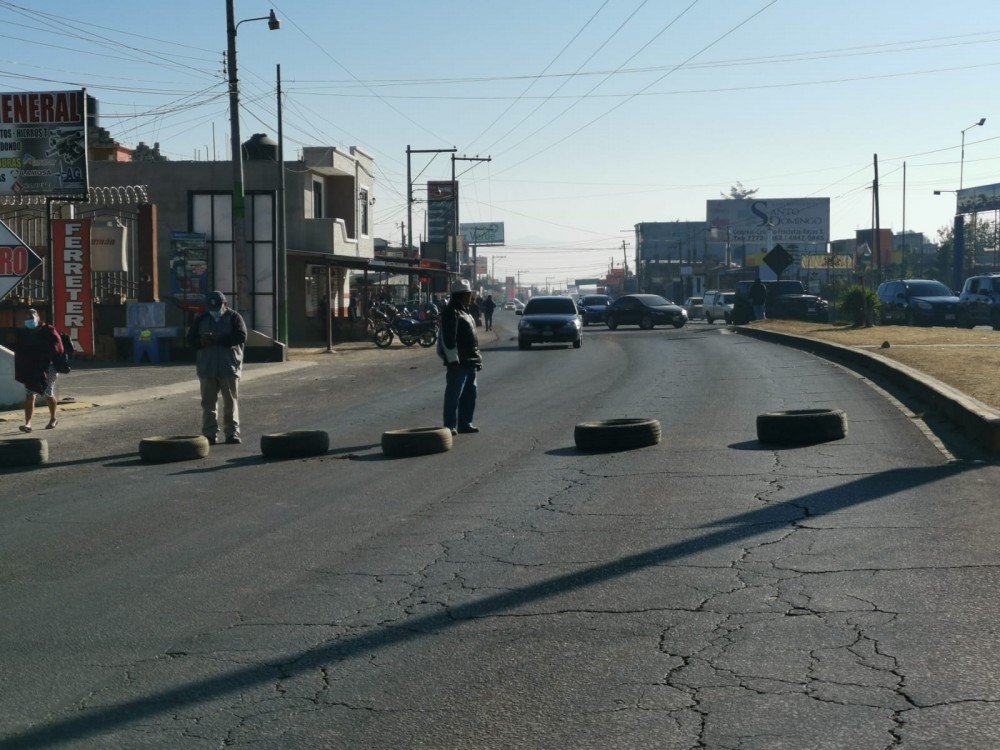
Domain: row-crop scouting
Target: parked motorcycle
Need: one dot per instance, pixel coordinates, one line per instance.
(409, 330)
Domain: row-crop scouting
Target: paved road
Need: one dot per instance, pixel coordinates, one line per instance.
(709, 592)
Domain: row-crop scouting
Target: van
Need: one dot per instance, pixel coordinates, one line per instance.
(718, 305)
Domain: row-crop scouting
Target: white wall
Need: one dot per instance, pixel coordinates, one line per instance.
(11, 392)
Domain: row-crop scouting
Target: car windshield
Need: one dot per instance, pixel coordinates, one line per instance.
(596, 300)
(561, 306)
(653, 300)
(928, 289)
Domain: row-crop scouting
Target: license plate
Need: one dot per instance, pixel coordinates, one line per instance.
(546, 333)
(949, 316)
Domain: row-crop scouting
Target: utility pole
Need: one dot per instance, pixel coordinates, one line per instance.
(454, 192)
(625, 257)
(493, 266)
(878, 229)
(409, 186)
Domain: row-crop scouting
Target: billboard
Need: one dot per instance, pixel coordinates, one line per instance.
(789, 220)
(441, 197)
(482, 233)
(43, 143)
(671, 240)
(982, 198)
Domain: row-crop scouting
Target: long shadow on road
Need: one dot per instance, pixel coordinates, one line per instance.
(726, 531)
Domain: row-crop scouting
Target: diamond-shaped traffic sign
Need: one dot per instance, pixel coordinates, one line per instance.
(778, 259)
(17, 260)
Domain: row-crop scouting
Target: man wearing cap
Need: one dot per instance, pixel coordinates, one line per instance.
(218, 335)
(458, 346)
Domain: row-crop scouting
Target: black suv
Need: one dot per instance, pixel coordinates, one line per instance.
(785, 299)
(917, 302)
(979, 302)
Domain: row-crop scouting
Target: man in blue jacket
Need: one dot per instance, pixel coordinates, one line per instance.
(458, 347)
(219, 335)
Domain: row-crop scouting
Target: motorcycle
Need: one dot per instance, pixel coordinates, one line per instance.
(409, 330)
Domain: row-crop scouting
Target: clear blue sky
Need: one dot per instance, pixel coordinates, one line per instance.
(597, 114)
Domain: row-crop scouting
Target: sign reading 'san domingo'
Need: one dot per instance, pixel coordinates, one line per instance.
(43, 143)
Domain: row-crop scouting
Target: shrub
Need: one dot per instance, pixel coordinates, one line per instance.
(859, 306)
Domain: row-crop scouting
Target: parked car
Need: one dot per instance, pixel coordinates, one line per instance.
(645, 311)
(718, 305)
(549, 320)
(518, 305)
(508, 304)
(786, 299)
(593, 308)
(923, 302)
(694, 307)
(979, 302)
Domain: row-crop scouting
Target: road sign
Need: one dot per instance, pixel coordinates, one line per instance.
(778, 259)
(17, 260)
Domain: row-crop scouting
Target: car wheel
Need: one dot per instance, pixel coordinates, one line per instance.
(801, 426)
(523, 345)
(578, 343)
(679, 325)
(416, 441)
(616, 434)
(166, 449)
(645, 322)
(612, 323)
(994, 320)
(294, 444)
(24, 452)
(709, 319)
(908, 318)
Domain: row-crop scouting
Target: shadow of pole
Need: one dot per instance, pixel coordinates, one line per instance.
(733, 529)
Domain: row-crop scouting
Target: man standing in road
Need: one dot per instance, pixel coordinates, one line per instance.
(458, 346)
(758, 298)
(37, 345)
(218, 335)
(488, 307)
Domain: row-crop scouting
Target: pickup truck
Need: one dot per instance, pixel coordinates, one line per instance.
(786, 299)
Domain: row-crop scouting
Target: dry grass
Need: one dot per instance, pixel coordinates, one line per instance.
(968, 360)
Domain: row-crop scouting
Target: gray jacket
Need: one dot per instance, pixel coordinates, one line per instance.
(225, 358)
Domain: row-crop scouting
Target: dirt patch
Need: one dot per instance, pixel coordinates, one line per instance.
(968, 360)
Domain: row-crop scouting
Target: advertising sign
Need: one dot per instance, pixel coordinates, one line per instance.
(43, 143)
(71, 292)
(17, 260)
(189, 269)
(441, 197)
(482, 233)
(982, 198)
(787, 220)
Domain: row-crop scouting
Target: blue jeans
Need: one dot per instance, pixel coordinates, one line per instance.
(459, 396)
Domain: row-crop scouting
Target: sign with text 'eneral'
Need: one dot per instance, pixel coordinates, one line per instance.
(17, 260)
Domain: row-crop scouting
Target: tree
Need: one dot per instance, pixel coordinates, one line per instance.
(737, 192)
(979, 237)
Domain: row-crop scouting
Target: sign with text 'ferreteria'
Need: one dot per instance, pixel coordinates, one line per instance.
(17, 260)
(43, 143)
(72, 296)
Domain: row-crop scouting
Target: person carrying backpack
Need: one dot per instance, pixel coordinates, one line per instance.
(38, 345)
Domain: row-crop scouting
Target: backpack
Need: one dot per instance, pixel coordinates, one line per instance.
(61, 361)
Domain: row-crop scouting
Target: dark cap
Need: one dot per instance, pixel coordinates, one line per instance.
(216, 300)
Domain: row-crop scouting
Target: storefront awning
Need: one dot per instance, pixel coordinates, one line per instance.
(371, 265)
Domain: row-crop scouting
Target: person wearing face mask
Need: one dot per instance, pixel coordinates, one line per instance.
(37, 344)
(218, 335)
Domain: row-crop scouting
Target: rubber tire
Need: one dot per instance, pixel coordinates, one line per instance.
(679, 325)
(416, 441)
(428, 339)
(578, 343)
(24, 452)
(382, 337)
(162, 449)
(616, 434)
(646, 323)
(801, 426)
(524, 345)
(278, 446)
(709, 319)
(612, 323)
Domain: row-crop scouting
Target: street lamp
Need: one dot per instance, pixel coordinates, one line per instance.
(961, 164)
(240, 261)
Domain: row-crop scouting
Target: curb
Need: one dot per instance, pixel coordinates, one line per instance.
(977, 420)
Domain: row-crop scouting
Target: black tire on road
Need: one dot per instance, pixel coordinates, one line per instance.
(616, 434)
(612, 323)
(162, 449)
(24, 452)
(523, 345)
(294, 444)
(578, 343)
(679, 325)
(428, 338)
(416, 441)
(382, 337)
(801, 426)
(646, 322)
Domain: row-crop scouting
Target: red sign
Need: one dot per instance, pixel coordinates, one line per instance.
(17, 260)
(72, 302)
